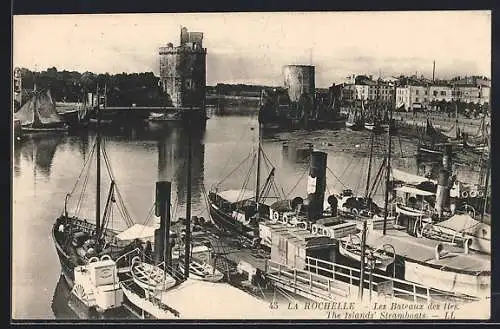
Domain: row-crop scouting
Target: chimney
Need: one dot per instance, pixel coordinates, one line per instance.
(316, 185)
(433, 70)
(447, 165)
(162, 234)
(443, 192)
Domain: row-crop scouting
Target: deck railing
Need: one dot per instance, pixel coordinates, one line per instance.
(324, 279)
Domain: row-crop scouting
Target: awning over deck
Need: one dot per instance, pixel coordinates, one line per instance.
(139, 231)
(413, 190)
(409, 178)
(233, 196)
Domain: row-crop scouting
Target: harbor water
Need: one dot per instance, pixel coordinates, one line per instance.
(46, 168)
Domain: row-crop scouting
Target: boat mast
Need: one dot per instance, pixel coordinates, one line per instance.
(486, 182)
(388, 173)
(98, 170)
(187, 243)
(257, 187)
(369, 166)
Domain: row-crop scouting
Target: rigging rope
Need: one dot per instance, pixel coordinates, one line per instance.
(86, 162)
(229, 157)
(338, 179)
(232, 172)
(85, 169)
(296, 184)
(121, 204)
(247, 178)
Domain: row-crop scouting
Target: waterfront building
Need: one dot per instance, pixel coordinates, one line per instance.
(183, 70)
(368, 89)
(299, 80)
(412, 97)
(348, 92)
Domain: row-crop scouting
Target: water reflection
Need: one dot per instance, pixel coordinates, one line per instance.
(17, 160)
(40, 151)
(141, 155)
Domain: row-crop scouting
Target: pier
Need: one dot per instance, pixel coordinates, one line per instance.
(319, 279)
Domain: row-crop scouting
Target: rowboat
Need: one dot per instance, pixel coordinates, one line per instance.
(151, 277)
(378, 259)
(202, 271)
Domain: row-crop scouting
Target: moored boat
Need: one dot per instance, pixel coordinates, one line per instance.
(202, 271)
(39, 115)
(96, 286)
(374, 258)
(77, 237)
(462, 230)
(240, 211)
(150, 277)
(354, 121)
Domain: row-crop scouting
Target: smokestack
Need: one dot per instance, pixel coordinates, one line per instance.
(162, 210)
(443, 192)
(433, 69)
(447, 158)
(316, 185)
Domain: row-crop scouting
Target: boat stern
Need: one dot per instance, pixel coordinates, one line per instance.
(97, 284)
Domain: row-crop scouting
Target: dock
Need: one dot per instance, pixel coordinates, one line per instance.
(423, 250)
(315, 279)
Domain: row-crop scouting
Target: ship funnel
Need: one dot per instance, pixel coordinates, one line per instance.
(447, 165)
(442, 192)
(162, 210)
(316, 185)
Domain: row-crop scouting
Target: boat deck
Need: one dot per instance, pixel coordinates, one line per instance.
(423, 250)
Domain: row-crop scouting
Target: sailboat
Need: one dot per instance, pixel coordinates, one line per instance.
(351, 205)
(78, 239)
(355, 120)
(433, 141)
(39, 115)
(239, 211)
(479, 141)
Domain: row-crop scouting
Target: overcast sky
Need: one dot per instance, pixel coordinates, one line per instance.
(252, 47)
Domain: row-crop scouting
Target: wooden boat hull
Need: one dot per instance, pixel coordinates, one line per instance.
(67, 259)
(227, 222)
(400, 209)
(472, 284)
(102, 122)
(381, 261)
(444, 234)
(150, 277)
(153, 310)
(209, 273)
(41, 130)
(354, 125)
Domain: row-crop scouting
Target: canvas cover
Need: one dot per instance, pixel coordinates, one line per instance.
(409, 178)
(467, 224)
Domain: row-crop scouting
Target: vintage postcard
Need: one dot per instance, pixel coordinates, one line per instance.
(287, 165)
